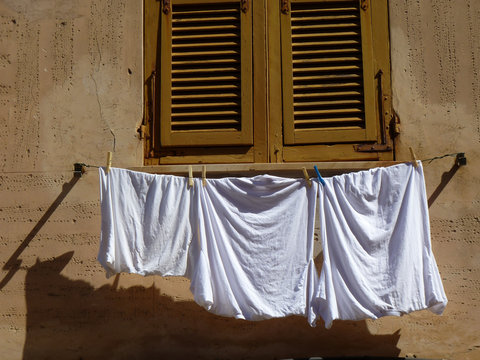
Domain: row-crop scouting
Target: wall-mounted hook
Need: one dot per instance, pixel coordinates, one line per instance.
(461, 160)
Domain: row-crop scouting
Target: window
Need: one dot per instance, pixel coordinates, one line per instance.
(266, 81)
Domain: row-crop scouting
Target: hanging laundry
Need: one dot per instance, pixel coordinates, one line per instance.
(251, 256)
(146, 224)
(378, 258)
(255, 241)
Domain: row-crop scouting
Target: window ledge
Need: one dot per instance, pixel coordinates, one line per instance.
(279, 169)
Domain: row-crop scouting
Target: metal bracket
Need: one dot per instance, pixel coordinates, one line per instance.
(78, 169)
(394, 125)
(244, 4)
(166, 8)
(461, 160)
(141, 131)
(285, 7)
(372, 148)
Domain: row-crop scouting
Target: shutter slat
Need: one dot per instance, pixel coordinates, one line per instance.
(312, 96)
(200, 13)
(215, 53)
(180, 47)
(203, 37)
(312, 29)
(313, 19)
(204, 79)
(327, 112)
(336, 60)
(205, 72)
(309, 52)
(197, 106)
(199, 114)
(322, 87)
(205, 96)
(350, 120)
(299, 105)
(199, 64)
(334, 43)
(312, 36)
(206, 28)
(206, 88)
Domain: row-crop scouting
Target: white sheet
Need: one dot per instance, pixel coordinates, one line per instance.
(146, 224)
(254, 247)
(378, 258)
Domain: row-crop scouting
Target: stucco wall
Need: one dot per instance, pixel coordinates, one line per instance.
(71, 84)
(436, 84)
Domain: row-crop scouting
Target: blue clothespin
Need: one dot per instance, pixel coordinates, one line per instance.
(319, 176)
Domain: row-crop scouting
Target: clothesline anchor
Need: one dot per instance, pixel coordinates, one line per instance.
(461, 160)
(78, 169)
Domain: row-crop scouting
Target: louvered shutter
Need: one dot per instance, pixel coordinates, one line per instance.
(328, 76)
(206, 74)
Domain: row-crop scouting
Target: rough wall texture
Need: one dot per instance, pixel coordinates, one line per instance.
(70, 88)
(436, 84)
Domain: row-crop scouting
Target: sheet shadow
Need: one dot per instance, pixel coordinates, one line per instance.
(70, 319)
(446, 177)
(13, 263)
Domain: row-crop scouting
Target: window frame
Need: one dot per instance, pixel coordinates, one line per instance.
(269, 145)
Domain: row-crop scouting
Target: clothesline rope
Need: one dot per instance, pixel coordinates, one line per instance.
(442, 156)
(80, 165)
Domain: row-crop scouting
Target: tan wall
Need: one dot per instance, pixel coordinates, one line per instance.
(70, 76)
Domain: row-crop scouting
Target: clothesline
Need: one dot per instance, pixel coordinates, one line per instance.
(79, 168)
(280, 167)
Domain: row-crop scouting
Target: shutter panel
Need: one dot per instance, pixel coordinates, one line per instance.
(206, 74)
(328, 78)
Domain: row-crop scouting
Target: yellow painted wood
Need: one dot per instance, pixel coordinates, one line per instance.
(287, 79)
(369, 76)
(151, 24)
(206, 155)
(334, 152)
(308, 74)
(194, 2)
(260, 114)
(265, 107)
(275, 81)
(206, 66)
(381, 45)
(165, 75)
(295, 169)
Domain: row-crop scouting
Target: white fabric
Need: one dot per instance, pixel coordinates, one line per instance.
(255, 241)
(146, 226)
(377, 253)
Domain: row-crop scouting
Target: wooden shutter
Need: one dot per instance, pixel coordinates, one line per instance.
(206, 74)
(328, 76)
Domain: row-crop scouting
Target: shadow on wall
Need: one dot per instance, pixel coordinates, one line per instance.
(69, 319)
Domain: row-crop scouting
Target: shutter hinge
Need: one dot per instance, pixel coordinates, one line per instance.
(394, 128)
(166, 7)
(141, 131)
(364, 4)
(372, 148)
(285, 6)
(384, 113)
(244, 4)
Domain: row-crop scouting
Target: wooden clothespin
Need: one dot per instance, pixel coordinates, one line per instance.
(109, 162)
(190, 176)
(414, 158)
(204, 175)
(307, 178)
